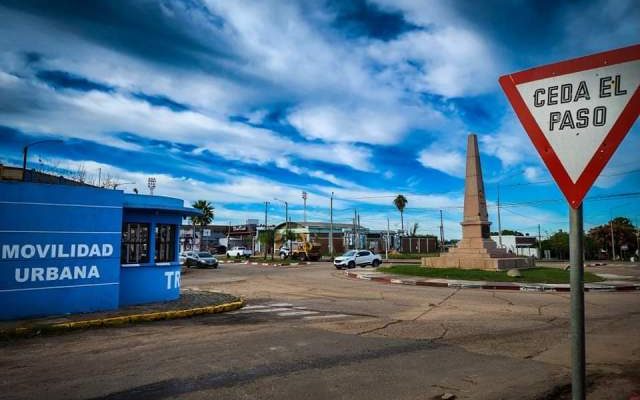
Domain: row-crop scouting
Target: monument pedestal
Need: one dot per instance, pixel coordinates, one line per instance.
(476, 250)
(483, 254)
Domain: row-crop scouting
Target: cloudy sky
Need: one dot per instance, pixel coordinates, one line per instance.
(242, 102)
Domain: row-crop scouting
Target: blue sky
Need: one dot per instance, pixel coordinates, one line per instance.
(242, 102)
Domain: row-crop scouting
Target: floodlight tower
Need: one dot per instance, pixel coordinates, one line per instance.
(304, 198)
(151, 184)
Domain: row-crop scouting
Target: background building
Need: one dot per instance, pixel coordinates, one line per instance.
(526, 246)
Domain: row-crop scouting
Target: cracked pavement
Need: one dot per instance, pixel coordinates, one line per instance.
(309, 332)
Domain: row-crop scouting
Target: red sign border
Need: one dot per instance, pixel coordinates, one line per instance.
(574, 193)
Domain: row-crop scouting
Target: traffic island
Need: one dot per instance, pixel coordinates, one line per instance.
(420, 276)
(190, 303)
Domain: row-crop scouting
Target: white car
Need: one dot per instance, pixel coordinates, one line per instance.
(353, 258)
(184, 255)
(239, 252)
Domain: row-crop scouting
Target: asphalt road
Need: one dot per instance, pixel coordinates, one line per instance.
(308, 332)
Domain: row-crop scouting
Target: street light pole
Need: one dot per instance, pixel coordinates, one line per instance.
(499, 224)
(331, 226)
(304, 198)
(25, 153)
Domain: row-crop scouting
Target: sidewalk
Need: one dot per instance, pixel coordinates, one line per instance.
(189, 304)
(613, 283)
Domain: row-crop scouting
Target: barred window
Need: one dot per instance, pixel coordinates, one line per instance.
(165, 243)
(135, 243)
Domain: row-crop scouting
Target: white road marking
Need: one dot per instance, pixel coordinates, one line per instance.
(253, 307)
(265, 310)
(326, 316)
(280, 304)
(295, 313)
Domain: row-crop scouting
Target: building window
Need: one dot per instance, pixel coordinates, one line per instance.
(135, 243)
(165, 243)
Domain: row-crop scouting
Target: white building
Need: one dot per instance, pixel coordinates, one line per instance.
(525, 246)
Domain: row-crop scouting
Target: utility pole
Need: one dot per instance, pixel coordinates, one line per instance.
(359, 230)
(613, 242)
(331, 226)
(499, 224)
(386, 249)
(441, 233)
(304, 198)
(266, 229)
(539, 244)
(355, 213)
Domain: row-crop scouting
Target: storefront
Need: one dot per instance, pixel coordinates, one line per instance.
(69, 249)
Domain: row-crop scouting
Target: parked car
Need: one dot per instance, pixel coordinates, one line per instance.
(183, 256)
(353, 258)
(239, 251)
(201, 259)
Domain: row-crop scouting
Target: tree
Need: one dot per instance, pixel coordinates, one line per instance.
(558, 243)
(624, 233)
(414, 228)
(207, 213)
(265, 238)
(401, 202)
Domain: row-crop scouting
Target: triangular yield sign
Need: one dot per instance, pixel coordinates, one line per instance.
(577, 112)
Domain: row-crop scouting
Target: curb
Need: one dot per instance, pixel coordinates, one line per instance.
(263, 264)
(513, 286)
(122, 320)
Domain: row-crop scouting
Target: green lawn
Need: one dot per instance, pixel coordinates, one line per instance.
(533, 275)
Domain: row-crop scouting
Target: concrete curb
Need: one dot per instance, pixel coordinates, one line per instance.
(34, 330)
(513, 286)
(263, 264)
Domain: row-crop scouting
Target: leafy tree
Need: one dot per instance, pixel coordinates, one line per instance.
(558, 243)
(266, 238)
(624, 233)
(207, 213)
(401, 202)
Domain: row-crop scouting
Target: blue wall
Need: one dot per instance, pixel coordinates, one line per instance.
(60, 249)
(37, 218)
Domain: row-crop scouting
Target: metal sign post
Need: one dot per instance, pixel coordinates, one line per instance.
(576, 262)
(576, 113)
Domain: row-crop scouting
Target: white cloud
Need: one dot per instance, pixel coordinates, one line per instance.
(439, 61)
(510, 145)
(450, 162)
(533, 174)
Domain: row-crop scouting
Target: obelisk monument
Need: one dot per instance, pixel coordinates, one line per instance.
(476, 250)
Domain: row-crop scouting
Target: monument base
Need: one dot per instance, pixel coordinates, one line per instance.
(486, 263)
(478, 253)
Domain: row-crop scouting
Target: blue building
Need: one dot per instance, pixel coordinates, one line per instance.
(69, 249)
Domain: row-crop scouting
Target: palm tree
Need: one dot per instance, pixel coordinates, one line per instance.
(414, 229)
(207, 213)
(401, 202)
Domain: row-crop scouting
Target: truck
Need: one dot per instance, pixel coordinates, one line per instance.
(304, 251)
(239, 251)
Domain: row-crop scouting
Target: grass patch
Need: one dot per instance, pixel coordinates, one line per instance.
(532, 275)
